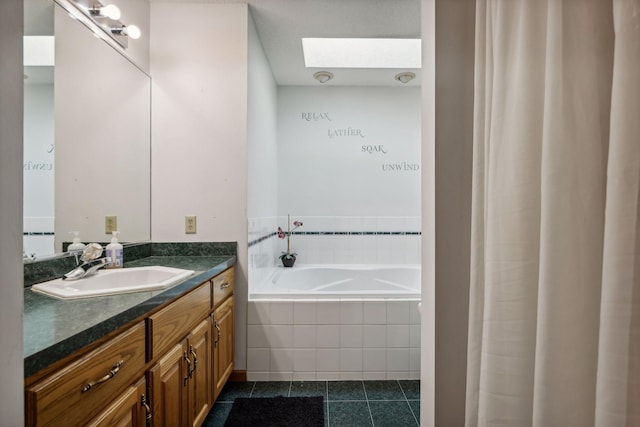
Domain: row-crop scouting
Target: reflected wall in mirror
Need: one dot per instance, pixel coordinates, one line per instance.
(39, 145)
(39, 155)
(97, 126)
(102, 114)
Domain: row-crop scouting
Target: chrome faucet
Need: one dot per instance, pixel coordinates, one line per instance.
(91, 262)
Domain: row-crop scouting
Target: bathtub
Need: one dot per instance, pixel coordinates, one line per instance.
(322, 281)
(335, 322)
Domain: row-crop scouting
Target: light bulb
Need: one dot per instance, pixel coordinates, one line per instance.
(323, 76)
(405, 77)
(133, 31)
(111, 11)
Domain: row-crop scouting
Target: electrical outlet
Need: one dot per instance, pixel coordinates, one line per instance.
(190, 224)
(110, 224)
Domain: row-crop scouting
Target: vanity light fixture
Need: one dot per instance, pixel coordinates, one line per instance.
(323, 76)
(103, 20)
(110, 11)
(127, 30)
(405, 77)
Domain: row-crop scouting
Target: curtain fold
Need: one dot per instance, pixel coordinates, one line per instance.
(554, 322)
(618, 391)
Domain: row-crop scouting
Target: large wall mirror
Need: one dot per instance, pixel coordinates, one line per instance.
(87, 140)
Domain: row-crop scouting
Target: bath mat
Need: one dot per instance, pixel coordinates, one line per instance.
(277, 412)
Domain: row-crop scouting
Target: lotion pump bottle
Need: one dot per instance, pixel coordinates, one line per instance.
(77, 245)
(114, 251)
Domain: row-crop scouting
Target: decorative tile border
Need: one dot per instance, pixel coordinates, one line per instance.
(357, 233)
(339, 233)
(261, 239)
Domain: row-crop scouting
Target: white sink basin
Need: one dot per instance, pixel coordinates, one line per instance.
(113, 282)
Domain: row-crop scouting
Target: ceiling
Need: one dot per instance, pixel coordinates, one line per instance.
(281, 24)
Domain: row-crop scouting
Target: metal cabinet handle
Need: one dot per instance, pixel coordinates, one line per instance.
(143, 402)
(215, 343)
(189, 371)
(195, 357)
(225, 285)
(112, 373)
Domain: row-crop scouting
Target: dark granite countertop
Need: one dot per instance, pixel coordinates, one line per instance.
(54, 329)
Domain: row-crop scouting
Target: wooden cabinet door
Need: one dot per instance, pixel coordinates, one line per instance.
(79, 391)
(168, 382)
(223, 345)
(200, 348)
(180, 382)
(128, 410)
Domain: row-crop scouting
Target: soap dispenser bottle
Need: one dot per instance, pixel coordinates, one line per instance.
(114, 251)
(77, 245)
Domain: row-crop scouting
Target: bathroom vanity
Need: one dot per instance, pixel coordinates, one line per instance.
(162, 361)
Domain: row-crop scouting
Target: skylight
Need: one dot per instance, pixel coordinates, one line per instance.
(39, 50)
(361, 53)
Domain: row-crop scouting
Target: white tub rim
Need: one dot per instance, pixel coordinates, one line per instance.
(268, 294)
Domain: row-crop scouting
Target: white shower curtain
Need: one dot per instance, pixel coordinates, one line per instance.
(554, 323)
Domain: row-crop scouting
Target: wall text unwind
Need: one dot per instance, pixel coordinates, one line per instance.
(400, 167)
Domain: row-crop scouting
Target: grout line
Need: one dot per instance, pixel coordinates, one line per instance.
(402, 390)
(290, 386)
(407, 400)
(412, 413)
(326, 389)
(252, 388)
(366, 396)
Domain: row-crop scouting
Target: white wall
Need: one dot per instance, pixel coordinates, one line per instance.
(11, 101)
(199, 131)
(349, 162)
(262, 131)
(349, 151)
(38, 168)
(38, 150)
(262, 193)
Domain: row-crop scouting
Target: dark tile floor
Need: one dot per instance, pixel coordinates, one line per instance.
(347, 403)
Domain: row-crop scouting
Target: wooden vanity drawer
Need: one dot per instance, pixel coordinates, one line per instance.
(222, 286)
(79, 391)
(174, 322)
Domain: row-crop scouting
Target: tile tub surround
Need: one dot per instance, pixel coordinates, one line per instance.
(347, 403)
(340, 240)
(334, 240)
(54, 329)
(333, 340)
